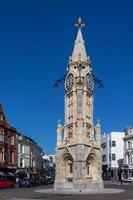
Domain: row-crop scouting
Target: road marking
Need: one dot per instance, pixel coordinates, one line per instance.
(20, 199)
(23, 199)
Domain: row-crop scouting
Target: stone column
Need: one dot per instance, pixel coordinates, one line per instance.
(79, 163)
(98, 133)
(59, 134)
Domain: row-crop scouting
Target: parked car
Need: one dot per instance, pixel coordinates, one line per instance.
(50, 179)
(27, 182)
(6, 184)
(43, 180)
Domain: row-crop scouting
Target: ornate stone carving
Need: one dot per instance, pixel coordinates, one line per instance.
(78, 155)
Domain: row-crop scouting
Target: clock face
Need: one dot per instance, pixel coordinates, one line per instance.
(89, 82)
(69, 82)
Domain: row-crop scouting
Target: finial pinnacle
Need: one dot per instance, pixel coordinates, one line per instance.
(98, 120)
(79, 24)
(59, 121)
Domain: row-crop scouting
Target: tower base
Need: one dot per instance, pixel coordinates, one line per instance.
(78, 187)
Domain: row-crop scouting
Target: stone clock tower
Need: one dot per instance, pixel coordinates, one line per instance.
(78, 163)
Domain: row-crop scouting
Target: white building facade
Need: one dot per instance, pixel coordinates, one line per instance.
(49, 161)
(29, 155)
(112, 152)
(128, 146)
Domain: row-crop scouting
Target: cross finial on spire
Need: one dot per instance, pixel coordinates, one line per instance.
(79, 24)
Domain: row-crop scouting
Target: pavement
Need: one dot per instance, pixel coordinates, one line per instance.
(122, 192)
(104, 191)
(68, 191)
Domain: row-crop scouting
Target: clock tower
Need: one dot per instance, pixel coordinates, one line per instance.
(78, 156)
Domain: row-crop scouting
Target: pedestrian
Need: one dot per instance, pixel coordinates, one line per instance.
(121, 178)
(17, 180)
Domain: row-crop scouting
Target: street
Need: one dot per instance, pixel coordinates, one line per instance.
(29, 193)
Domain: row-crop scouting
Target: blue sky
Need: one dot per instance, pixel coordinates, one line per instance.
(36, 40)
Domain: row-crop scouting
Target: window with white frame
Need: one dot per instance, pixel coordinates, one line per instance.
(109, 157)
(103, 145)
(32, 151)
(33, 163)
(21, 162)
(12, 140)
(12, 156)
(129, 144)
(104, 158)
(21, 148)
(113, 156)
(113, 143)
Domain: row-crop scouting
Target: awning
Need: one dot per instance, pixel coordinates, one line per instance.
(10, 174)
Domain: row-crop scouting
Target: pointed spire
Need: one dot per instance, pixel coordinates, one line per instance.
(98, 123)
(79, 51)
(59, 124)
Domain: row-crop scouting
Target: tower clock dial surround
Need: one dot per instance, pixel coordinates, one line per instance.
(69, 82)
(89, 82)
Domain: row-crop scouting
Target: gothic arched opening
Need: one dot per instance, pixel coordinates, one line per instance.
(68, 165)
(91, 166)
